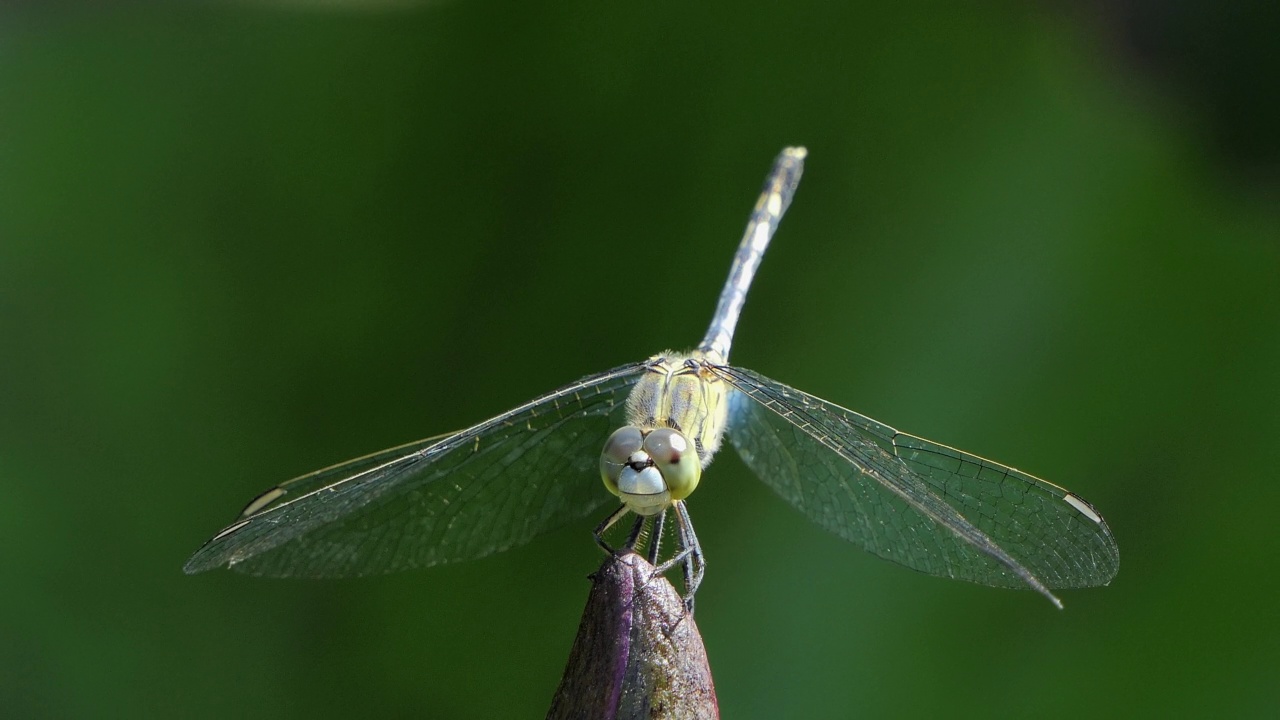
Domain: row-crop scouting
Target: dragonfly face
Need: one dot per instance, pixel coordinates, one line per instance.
(648, 469)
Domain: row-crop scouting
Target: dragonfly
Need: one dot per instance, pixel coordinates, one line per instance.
(504, 481)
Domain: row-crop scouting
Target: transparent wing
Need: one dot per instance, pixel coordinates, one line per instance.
(484, 489)
(926, 506)
(303, 484)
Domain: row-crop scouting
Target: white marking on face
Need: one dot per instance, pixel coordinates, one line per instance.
(646, 482)
(1082, 506)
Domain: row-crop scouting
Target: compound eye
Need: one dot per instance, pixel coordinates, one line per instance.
(677, 460)
(618, 449)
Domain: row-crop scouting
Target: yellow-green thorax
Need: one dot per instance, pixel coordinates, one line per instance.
(680, 392)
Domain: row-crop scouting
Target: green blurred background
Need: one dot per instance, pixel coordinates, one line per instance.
(239, 242)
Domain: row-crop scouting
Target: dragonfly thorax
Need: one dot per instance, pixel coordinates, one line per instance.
(680, 391)
(648, 469)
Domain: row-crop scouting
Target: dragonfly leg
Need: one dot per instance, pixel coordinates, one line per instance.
(604, 526)
(695, 563)
(655, 538)
(690, 558)
(637, 529)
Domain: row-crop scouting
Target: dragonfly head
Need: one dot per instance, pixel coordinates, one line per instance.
(648, 469)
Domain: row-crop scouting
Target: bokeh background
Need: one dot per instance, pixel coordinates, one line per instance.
(241, 241)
